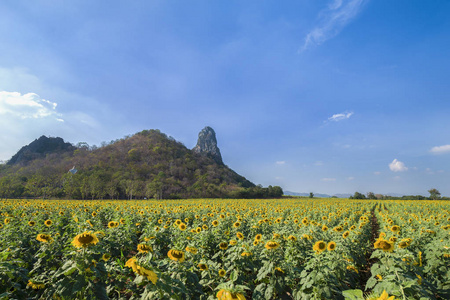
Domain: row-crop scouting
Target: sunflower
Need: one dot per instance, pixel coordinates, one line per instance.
(215, 223)
(132, 263)
(44, 238)
(320, 246)
(346, 234)
(338, 229)
(240, 235)
(112, 224)
(178, 222)
(331, 246)
(144, 248)
(324, 228)
(202, 267)
(233, 242)
(191, 250)
(85, 239)
(255, 243)
(246, 254)
(182, 227)
(223, 246)
(403, 244)
(198, 229)
(35, 286)
(271, 245)
(222, 272)
(395, 229)
(386, 246)
(228, 295)
(305, 221)
(122, 221)
(236, 224)
(48, 223)
(176, 255)
(205, 227)
(32, 223)
(258, 237)
(385, 296)
(292, 238)
(352, 268)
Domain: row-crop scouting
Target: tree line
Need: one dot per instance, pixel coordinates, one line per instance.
(434, 195)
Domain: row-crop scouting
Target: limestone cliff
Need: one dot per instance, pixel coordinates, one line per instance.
(207, 144)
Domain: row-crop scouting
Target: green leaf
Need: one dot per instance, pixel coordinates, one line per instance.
(353, 295)
(269, 292)
(371, 283)
(79, 284)
(234, 275)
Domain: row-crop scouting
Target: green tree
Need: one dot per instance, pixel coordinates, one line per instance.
(358, 195)
(311, 195)
(371, 195)
(112, 189)
(434, 194)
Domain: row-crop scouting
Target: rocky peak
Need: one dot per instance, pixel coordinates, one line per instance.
(207, 144)
(39, 148)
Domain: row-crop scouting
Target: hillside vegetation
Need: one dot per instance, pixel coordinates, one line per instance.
(148, 164)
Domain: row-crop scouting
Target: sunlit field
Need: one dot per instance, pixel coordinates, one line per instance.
(226, 249)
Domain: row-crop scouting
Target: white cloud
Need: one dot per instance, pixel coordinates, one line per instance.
(350, 178)
(280, 162)
(328, 179)
(397, 166)
(26, 106)
(377, 173)
(23, 118)
(340, 117)
(333, 19)
(318, 163)
(440, 149)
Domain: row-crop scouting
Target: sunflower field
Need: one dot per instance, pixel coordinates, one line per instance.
(225, 249)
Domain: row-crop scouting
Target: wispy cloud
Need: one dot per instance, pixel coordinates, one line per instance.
(340, 117)
(328, 179)
(26, 106)
(440, 149)
(332, 21)
(397, 166)
(280, 162)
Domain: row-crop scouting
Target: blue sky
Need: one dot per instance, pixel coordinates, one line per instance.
(324, 96)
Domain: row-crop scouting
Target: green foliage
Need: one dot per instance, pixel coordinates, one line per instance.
(148, 164)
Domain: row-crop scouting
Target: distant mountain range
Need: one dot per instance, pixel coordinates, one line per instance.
(289, 193)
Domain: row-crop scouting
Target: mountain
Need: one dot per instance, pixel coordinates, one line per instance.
(39, 148)
(289, 193)
(147, 164)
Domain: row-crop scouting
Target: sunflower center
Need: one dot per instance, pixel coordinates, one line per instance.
(177, 254)
(86, 239)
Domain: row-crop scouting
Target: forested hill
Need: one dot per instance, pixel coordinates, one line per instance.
(147, 164)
